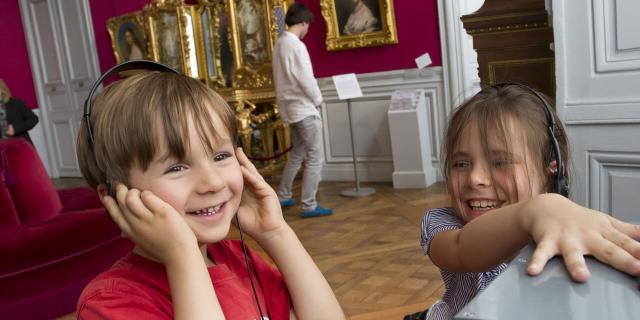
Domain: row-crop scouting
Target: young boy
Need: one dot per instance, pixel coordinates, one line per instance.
(169, 143)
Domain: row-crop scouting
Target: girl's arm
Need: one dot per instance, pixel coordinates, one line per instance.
(261, 217)
(157, 229)
(557, 225)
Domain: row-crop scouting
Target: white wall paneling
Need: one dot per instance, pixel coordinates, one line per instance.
(459, 59)
(598, 70)
(40, 142)
(371, 126)
(616, 181)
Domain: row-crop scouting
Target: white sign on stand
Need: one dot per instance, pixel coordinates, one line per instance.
(348, 88)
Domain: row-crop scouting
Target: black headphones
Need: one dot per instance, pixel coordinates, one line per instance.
(560, 180)
(155, 66)
(125, 66)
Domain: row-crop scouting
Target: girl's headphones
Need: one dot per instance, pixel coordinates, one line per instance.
(560, 180)
(125, 66)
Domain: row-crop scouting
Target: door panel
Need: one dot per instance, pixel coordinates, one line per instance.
(598, 72)
(64, 61)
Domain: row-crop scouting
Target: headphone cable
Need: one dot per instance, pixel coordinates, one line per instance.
(246, 260)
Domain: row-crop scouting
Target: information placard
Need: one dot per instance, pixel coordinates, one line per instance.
(347, 86)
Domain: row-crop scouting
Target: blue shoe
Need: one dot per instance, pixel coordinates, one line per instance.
(285, 203)
(317, 212)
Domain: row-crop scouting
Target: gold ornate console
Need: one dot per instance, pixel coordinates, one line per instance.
(226, 44)
(513, 40)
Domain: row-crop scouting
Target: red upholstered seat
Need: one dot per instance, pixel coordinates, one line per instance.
(53, 241)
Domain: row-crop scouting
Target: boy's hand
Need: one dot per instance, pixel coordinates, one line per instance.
(154, 226)
(259, 213)
(561, 227)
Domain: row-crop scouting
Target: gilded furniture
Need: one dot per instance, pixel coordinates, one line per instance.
(247, 31)
(513, 40)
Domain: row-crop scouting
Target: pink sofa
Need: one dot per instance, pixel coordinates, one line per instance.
(52, 242)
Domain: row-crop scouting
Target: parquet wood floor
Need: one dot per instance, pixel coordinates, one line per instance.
(369, 250)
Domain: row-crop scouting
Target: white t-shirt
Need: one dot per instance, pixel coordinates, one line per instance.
(297, 92)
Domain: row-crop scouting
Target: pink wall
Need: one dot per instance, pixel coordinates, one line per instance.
(417, 25)
(15, 69)
(416, 21)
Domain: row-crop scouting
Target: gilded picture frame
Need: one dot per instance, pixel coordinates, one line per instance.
(359, 23)
(166, 23)
(128, 37)
(253, 29)
(214, 44)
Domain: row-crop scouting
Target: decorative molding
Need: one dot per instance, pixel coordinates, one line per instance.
(457, 52)
(509, 28)
(587, 112)
(544, 62)
(602, 166)
(606, 36)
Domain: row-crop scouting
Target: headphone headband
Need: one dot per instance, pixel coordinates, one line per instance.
(125, 66)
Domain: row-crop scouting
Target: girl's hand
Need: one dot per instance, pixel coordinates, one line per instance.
(561, 227)
(260, 214)
(152, 224)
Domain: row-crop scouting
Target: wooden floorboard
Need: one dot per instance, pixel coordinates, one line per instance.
(369, 250)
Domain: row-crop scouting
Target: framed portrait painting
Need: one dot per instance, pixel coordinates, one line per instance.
(128, 37)
(359, 23)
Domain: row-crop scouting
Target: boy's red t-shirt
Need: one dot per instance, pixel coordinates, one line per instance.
(138, 288)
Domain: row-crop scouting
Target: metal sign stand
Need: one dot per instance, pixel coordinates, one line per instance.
(357, 191)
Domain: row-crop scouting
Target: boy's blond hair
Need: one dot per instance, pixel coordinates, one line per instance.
(128, 116)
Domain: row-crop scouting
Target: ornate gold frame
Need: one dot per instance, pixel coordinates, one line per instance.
(153, 12)
(113, 26)
(385, 36)
(252, 76)
(209, 42)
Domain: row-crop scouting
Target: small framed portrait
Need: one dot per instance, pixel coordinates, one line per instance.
(128, 37)
(359, 23)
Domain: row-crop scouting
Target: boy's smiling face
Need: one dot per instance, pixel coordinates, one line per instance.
(471, 186)
(205, 189)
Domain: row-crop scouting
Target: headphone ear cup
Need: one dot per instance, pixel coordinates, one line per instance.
(562, 186)
(111, 189)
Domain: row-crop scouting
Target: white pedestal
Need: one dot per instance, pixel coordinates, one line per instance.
(410, 140)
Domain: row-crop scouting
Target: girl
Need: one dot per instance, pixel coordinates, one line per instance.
(501, 167)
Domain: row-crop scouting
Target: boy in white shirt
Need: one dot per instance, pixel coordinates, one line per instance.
(299, 100)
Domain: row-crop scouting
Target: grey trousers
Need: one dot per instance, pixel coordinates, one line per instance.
(306, 141)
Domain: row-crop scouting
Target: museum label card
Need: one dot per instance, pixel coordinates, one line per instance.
(423, 60)
(347, 86)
